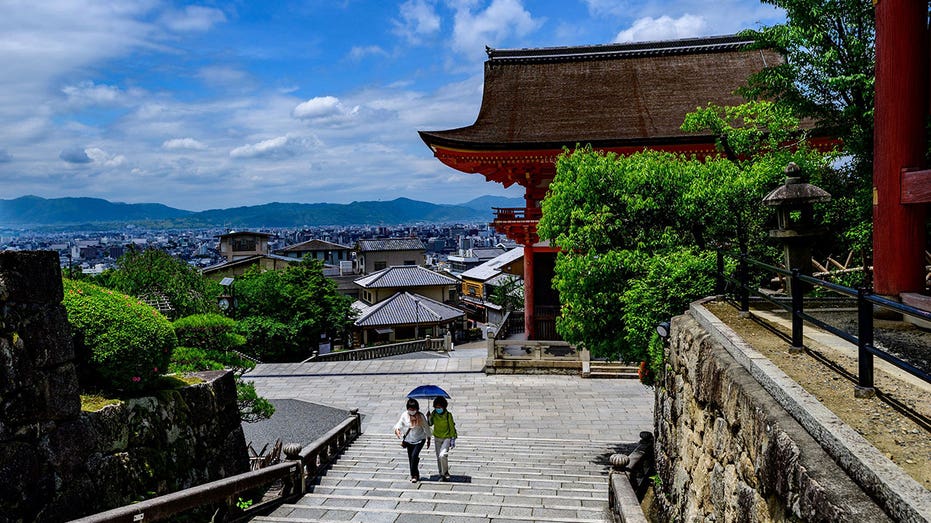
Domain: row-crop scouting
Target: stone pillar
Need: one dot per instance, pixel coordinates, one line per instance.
(39, 398)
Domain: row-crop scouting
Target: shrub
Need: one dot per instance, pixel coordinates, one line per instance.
(121, 343)
(208, 342)
(208, 332)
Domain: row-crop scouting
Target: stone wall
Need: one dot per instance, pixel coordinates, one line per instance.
(727, 451)
(58, 463)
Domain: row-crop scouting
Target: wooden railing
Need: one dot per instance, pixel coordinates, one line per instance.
(381, 351)
(302, 467)
(508, 214)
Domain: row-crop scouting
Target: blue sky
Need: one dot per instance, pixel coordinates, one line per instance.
(219, 104)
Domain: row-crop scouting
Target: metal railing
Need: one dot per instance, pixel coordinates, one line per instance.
(382, 351)
(295, 474)
(865, 301)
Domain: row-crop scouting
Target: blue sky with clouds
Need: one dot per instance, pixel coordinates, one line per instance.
(220, 104)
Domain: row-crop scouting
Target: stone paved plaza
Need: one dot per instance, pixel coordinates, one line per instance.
(550, 407)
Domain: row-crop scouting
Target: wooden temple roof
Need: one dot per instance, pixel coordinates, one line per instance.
(610, 96)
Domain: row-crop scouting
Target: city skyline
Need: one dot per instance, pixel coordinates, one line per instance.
(222, 104)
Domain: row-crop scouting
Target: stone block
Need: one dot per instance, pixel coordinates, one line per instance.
(60, 392)
(30, 277)
(47, 337)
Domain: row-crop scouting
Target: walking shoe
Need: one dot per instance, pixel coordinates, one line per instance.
(413, 480)
(446, 477)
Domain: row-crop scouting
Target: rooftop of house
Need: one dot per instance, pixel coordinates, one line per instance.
(391, 244)
(400, 276)
(619, 94)
(404, 308)
(492, 268)
(315, 245)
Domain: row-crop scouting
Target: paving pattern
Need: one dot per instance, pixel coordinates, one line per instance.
(530, 448)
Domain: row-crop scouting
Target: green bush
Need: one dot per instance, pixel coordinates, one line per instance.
(208, 342)
(208, 332)
(121, 343)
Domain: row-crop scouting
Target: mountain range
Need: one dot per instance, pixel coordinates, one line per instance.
(33, 211)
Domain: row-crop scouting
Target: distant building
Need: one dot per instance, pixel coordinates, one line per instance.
(243, 250)
(239, 245)
(473, 257)
(327, 252)
(375, 255)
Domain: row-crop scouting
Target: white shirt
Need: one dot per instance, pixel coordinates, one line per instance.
(417, 433)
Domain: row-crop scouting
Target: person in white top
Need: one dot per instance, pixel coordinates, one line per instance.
(414, 432)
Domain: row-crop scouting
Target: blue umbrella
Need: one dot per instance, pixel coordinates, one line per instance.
(427, 391)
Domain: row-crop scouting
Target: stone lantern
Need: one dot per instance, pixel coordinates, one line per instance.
(794, 202)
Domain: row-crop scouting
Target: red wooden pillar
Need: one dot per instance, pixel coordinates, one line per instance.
(901, 109)
(529, 319)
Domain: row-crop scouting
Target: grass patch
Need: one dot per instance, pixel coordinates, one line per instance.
(95, 402)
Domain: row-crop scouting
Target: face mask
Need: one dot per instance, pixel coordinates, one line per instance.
(439, 410)
(412, 412)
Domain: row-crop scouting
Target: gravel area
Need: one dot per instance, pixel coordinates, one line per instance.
(896, 436)
(294, 421)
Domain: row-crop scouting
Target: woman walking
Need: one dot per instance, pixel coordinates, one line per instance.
(444, 430)
(414, 432)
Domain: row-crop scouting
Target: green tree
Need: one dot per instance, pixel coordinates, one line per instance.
(283, 314)
(828, 76)
(151, 271)
(508, 292)
(209, 342)
(635, 233)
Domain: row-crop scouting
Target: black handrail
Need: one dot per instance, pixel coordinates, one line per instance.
(865, 299)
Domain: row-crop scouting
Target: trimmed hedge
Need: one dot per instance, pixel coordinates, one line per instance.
(208, 332)
(121, 343)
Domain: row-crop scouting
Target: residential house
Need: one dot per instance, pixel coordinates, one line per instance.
(405, 301)
(375, 255)
(479, 284)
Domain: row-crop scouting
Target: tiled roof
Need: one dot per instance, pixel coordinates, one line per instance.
(487, 254)
(315, 245)
(391, 244)
(633, 94)
(492, 267)
(400, 276)
(407, 309)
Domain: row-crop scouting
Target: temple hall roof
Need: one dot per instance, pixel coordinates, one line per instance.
(606, 95)
(400, 276)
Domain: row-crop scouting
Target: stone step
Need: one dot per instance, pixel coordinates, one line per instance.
(609, 370)
(340, 470)
(525, 484)
(493, 480)
(410, 507)
(457, 489)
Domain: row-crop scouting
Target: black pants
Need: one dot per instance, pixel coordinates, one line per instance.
(413, 457)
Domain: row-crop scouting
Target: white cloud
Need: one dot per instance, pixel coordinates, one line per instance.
(322, 107)
(360, 52)
(274, 148)
(89, 94)
(103, 158)
(184, 143)
(418, 19)
(500, 20)
(193, 18)
(663, 28)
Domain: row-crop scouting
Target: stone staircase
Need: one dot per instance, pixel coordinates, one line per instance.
(493, 480)
(609, 370)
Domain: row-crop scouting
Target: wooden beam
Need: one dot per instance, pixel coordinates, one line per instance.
(916, 186)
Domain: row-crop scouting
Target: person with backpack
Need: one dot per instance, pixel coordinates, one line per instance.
(444, 431)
